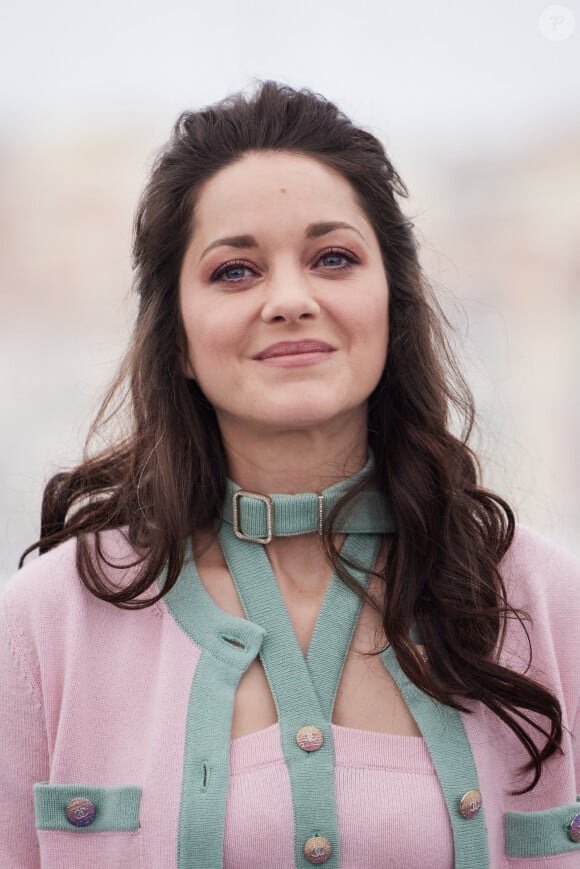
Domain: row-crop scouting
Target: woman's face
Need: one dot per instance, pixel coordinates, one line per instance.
(290, 278)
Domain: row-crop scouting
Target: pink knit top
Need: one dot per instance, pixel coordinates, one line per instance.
(411, 829)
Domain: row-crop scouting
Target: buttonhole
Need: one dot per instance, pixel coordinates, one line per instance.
(205, 781)
(233, 642)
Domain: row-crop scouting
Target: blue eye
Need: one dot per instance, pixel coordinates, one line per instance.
(229, 267)
(340, 254)
(240, 265)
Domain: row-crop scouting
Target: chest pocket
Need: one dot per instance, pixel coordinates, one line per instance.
(530, 837)
(88, 826)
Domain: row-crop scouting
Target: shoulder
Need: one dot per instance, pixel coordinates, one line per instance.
(50, 586)
(541, 574)
(542, 580)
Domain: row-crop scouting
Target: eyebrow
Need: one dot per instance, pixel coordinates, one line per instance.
(313, 230)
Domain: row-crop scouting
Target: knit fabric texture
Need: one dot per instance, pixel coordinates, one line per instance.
(95, 702)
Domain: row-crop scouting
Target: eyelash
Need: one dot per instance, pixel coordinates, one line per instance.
(351, 260)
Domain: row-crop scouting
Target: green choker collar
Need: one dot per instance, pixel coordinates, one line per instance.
(258, 518)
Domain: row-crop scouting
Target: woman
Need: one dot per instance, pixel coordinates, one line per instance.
(277, 621)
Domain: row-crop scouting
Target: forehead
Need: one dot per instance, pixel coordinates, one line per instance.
(271, 184)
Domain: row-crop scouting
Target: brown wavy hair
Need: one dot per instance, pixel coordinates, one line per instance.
(161, 477)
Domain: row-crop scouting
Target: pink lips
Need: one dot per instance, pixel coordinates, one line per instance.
(291, 348)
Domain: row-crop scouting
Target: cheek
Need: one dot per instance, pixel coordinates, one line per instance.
(194, 335)
(380, 313)
(369, 321)
(210, 337)
(370, 330)
(195, 324)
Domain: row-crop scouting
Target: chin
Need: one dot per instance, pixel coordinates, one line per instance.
(300, 416)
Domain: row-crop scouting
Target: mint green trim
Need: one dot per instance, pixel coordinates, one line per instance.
(311, 774)
(446, 739)
(267, 630)
(337, 622)
(117, 808)
(206, 624)
(206, 765)
(304, 690)
(540, 834)
(230, 645)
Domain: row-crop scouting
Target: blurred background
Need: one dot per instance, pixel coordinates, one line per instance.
(478, 106)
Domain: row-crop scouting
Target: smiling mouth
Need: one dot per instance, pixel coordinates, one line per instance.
(291, 348)
(297, 359)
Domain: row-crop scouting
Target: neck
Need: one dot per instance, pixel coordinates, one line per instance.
(309, 466)
(298, 562)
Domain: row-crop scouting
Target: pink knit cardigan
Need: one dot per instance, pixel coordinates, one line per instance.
(94, 704)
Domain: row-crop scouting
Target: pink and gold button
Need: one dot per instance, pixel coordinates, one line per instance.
(310, 738)
(470, 804)
(317, 849)
(80, 812)
(574, 829)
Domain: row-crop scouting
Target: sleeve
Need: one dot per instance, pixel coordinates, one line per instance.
(23, 750)
(576, 750)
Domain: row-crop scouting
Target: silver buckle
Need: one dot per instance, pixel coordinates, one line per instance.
(236, 516)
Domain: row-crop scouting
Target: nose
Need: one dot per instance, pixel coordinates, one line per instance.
(289, 298)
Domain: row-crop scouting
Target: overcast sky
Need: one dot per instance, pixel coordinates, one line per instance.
(444, 74)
